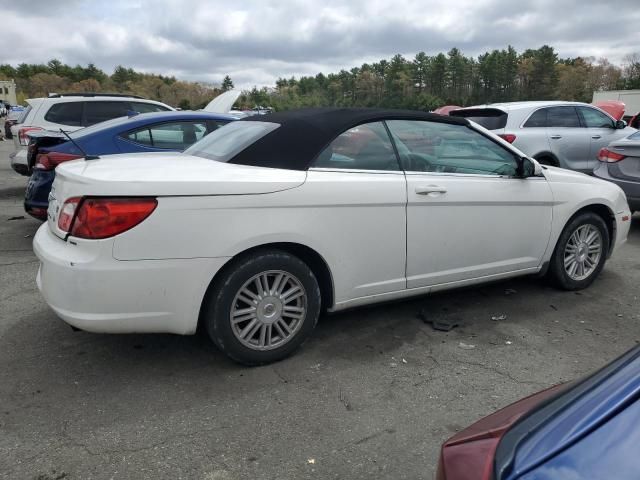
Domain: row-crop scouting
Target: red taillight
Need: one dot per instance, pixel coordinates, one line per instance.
(67, 213)
(606, 155)
(95, 218)
(509, 137)
(22, 134)
(49, 161)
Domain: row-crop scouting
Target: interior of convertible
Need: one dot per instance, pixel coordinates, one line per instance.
(422, 146)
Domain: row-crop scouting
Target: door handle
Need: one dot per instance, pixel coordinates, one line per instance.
(426, 190)
(556, 137)
(596, 137)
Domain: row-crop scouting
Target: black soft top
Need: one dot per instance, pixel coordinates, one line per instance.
(304, 133)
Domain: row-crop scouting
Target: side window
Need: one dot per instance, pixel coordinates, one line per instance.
(563, 117)
(96, 112)
(595, 119)
(178, 135)
(142, 107)
(142, 136)
(170, 136)
(537, 119)
(365, 147)
(444, 148)
(65, 113)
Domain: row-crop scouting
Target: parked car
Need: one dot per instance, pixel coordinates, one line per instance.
(634, 122)
(72, 112)
(147, 132)
(587, 429)
(14, 116)
(561, 134)
(620, 164)
(268, 220)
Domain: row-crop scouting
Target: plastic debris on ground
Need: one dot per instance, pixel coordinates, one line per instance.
(442, 325)
(466, 346)
(497, 318)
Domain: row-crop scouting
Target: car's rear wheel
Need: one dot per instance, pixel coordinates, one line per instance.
(580, 253)
(263, 307)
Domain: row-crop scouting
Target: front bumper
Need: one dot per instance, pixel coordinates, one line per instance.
(92, 291)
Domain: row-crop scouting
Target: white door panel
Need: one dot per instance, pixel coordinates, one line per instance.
(468, 226)
(363, 219)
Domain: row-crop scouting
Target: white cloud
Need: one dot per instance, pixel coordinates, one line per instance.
(257, 41)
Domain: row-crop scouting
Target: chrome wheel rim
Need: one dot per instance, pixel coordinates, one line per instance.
(268, 310)
(582, 252)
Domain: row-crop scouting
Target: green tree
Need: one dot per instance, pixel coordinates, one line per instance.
(227, 83)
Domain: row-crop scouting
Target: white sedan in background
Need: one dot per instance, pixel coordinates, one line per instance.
(266, 222)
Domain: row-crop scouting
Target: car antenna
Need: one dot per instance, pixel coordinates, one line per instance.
(86, 156)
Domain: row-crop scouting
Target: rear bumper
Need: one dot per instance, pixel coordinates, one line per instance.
(19, 162)
(92, 291)
(630, 188)
(36, 197)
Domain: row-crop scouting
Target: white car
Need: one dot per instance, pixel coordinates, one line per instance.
(72, 112)
(269, 220)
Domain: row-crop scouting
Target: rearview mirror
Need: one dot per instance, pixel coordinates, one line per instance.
(620, 124)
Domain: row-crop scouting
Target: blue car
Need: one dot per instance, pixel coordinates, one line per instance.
(588, 429)
(147, 132)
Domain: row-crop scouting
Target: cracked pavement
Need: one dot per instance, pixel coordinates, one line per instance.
(372, 395)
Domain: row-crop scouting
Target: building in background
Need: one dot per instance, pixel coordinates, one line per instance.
(8, 91)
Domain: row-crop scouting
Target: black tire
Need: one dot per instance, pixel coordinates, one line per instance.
(557, 272)
(222, 297)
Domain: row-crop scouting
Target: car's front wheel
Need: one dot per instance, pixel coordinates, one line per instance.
(263, 307)
(580, 253)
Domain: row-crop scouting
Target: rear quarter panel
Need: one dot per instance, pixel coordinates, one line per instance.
(362, 244)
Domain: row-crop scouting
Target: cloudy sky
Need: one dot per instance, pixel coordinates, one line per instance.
(257, 41)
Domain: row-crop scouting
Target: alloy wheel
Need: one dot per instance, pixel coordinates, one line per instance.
(582, 252)
(268, 310)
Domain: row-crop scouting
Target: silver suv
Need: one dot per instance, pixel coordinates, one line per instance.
(563, 134)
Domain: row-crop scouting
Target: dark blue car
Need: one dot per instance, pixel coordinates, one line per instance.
(147, 132)
(588, 429)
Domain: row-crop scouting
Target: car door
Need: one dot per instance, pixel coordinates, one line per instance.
(601, 130)
(468, 216)
(568, 141)
(357, 194)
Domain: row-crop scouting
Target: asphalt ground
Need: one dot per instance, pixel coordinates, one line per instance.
(372, 395)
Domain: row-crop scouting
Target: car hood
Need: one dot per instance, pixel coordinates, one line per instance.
(556, 174)
(167, 174)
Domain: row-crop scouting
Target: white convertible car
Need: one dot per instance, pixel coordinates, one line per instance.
(266, 222)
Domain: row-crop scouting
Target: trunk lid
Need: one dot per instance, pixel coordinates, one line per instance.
(162, 174)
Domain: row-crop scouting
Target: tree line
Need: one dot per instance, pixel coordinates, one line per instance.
(424, 82)
(39, 80)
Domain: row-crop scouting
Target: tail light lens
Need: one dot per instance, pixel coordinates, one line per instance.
(49, 161)
(22, 134)
(95, 218)
(606, 155)
(68, 211)
(509, 137)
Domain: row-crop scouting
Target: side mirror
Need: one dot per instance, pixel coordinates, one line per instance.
(620, 124)
(528, 167)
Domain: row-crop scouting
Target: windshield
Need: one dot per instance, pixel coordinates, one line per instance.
(226, 142)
